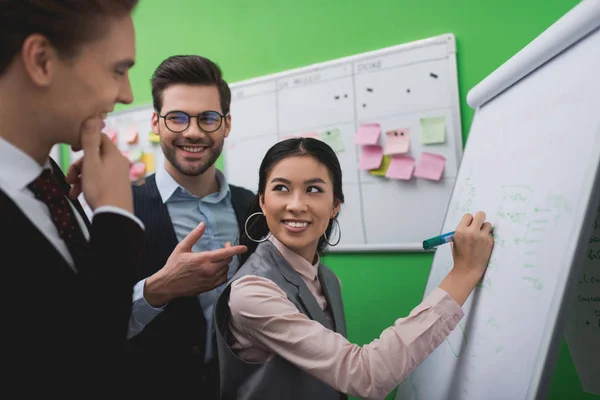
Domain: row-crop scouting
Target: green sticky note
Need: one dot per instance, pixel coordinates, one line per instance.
(333, 138)
(382, 170)
(433, 130)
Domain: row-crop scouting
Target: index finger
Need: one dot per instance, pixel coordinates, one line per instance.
(107, 146)
(222, 254)
(91, 139)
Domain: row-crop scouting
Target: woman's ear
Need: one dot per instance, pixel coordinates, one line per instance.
(336, 208)
(261, 202)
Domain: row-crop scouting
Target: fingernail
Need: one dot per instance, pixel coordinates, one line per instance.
(200, 224)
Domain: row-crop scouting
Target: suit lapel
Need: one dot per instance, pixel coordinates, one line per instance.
(23, 231)
(66, 188)
(304, 294)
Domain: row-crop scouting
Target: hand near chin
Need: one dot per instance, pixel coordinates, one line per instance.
(102, 174)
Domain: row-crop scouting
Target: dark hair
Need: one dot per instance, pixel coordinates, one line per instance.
(257, 226)
(67, 24)
(191, 70)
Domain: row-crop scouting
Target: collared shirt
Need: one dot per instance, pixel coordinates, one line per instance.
(187, 211)
(17, 170)
(264, 322)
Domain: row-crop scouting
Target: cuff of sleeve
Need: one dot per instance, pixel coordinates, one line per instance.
(140, 300)
(449, 310)
(120, 211)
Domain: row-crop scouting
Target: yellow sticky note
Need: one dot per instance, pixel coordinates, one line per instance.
(381, 171)
(148, 159)
(433, 130)
(154, 138)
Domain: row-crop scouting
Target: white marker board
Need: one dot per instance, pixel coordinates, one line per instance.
(532, 163)
(395, 87)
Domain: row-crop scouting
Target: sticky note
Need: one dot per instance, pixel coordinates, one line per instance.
(333, 138)
(370, 157)
(381, 171)
(430, 166)
(401, 167)
(368, 134)
(433, 130)
(397, 141)
(136, 171)
(148, 159)
(134, 155)
(132, 135)
(154, 138)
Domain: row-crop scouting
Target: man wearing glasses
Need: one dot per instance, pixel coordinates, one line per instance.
(192, 218)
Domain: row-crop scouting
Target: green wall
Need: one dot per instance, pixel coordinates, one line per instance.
(257, 37)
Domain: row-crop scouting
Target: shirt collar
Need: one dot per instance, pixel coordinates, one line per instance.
(299, 263)
(17, 169)
(167, 186)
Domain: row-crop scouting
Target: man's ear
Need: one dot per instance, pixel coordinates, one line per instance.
(227, 122)
(154, 122)
(40, 59)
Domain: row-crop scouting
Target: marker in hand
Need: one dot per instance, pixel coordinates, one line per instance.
(438, 240)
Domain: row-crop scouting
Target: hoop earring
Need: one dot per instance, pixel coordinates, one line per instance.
(246, 229)
(339, 237)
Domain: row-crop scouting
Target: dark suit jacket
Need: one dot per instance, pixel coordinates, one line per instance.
(170, 349)
(61, 328)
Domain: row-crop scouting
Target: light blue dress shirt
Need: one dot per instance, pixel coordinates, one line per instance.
(187, 211)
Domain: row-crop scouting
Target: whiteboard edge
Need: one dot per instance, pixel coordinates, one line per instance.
(439, 39)
(570, 28)
(378, 247)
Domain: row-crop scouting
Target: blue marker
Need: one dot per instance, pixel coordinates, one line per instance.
(438, 240)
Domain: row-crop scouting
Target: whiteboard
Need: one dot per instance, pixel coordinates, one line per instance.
(532, 163)
(394, 87)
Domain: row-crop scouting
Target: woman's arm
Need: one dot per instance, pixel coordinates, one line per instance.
(263, 316)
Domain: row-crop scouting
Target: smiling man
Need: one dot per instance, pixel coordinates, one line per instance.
(192, 216)
(67, 282)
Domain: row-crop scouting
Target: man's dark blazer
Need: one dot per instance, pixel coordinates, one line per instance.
(63, 330)
(170, 349)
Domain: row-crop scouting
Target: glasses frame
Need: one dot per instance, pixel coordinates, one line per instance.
(190, 120)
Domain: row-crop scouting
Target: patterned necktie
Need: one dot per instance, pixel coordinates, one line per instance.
(48, 190)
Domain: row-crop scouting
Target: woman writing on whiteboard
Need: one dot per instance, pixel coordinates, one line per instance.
(280, 322)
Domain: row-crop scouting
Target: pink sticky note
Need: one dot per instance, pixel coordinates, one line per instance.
(397, 141)
(137, 170)
(370, 157)
(430, 166)
(368, 134)
(401, 167)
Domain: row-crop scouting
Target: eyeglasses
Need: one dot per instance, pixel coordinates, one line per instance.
(179, 121)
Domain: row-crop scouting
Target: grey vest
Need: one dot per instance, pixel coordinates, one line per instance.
(276, 379)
